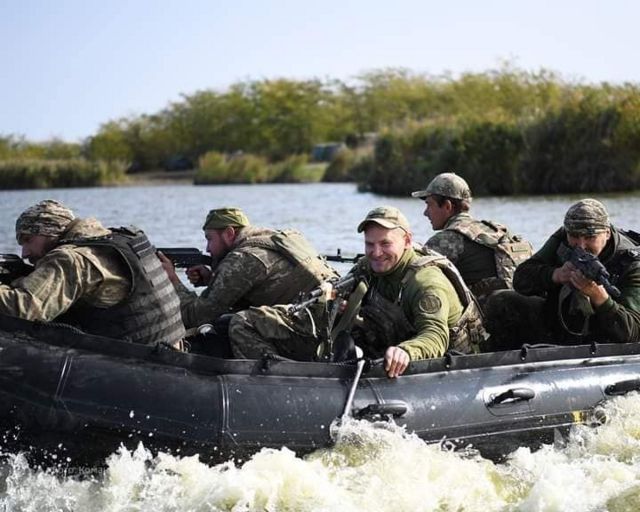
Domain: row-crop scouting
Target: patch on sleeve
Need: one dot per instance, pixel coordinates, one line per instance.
(430, 304)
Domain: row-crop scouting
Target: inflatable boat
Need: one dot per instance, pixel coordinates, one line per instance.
(76, 397)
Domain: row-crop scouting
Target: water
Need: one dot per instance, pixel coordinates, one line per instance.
(369, 468)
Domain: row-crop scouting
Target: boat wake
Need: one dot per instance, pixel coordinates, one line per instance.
(372, 467)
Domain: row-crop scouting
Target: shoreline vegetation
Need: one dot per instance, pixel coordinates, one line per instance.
(506, 131)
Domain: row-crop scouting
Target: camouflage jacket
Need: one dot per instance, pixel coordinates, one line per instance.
(256, 272)
(65, 275)
(616, 320)
(485, 252)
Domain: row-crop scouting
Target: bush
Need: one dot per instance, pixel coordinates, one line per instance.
(21, 174)
(215, 168)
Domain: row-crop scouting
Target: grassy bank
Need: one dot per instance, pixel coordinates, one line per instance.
(76, 172)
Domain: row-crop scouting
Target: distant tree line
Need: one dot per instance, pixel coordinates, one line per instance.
(507, 131)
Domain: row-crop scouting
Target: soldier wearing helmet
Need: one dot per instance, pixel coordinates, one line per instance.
(486, 253)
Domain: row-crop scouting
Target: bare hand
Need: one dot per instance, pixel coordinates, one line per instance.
(396, 361)
(167, 265)
(596, 293)
(562, 275)
(199, 275)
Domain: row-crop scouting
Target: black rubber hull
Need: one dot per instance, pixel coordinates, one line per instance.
(91, 394)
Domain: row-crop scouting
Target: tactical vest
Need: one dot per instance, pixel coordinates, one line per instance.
(309, 269)
(509, 251)
(386, 323)
(151, 311)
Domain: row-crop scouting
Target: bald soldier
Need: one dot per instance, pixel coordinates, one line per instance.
(416, 307)
(252, 266)
(486, 253)
(554, 302)
(105, 281)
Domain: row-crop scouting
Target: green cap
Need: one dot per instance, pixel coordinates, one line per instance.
(221, 218)
(386, 216)
(587, 217)
(447, 184)
(48, 217)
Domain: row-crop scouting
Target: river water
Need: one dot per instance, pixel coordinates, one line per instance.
(596, 469)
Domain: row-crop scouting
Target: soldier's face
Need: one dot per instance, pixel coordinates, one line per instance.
(35, 247)
(593, 244)
(438, 215)
(217, 243)
(384, 247)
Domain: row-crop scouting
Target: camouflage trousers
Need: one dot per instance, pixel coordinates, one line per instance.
(272, 330)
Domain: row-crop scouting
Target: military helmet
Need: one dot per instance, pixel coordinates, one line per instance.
(447, 184)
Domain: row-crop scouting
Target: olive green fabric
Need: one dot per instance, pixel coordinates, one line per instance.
(221, 218)
(257, 271)
(386, 216)
(615, 321)
(447, 184)
(485, 252)
(429, 302)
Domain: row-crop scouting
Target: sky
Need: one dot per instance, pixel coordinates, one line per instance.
(69, 66)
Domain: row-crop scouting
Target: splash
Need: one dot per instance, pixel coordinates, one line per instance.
(377, 467)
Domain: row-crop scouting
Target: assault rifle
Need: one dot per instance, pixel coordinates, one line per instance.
(12, 267)
(185, 257)
(590, 266)
(327, 291)
(339, 258)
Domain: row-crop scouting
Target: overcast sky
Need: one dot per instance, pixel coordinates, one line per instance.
(70, 65)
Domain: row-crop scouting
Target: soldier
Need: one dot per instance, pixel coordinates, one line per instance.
(555, 302)
(486, 253)
(252, 266)
(416, 307)
(104, 281)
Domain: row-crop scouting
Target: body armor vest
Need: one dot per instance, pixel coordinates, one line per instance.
(388, 324)
(151, 311)
(509, 251)
(309, 269)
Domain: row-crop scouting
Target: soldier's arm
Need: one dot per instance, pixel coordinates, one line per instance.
(447, 243)
(58, 280)
(621, 320)
(535, 275)
(428, 300)
(235, 276)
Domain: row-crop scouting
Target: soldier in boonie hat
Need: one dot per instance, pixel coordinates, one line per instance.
(221, 218)
(447, 184)
(48, 218)
(386, 216)
(587, 217)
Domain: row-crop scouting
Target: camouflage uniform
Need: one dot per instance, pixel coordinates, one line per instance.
(424, 306)
(533, 312)
(486, 253)
(73, 277)
(264, 267)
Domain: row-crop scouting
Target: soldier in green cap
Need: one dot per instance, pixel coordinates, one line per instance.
(105, 281)
(554, 302)
(252, 266)
(486, 253)
(416, 307)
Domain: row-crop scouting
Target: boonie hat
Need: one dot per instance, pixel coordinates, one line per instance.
(221, 218)
(48, 217)
(386, 216)
(447, 184)
(586, 217)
